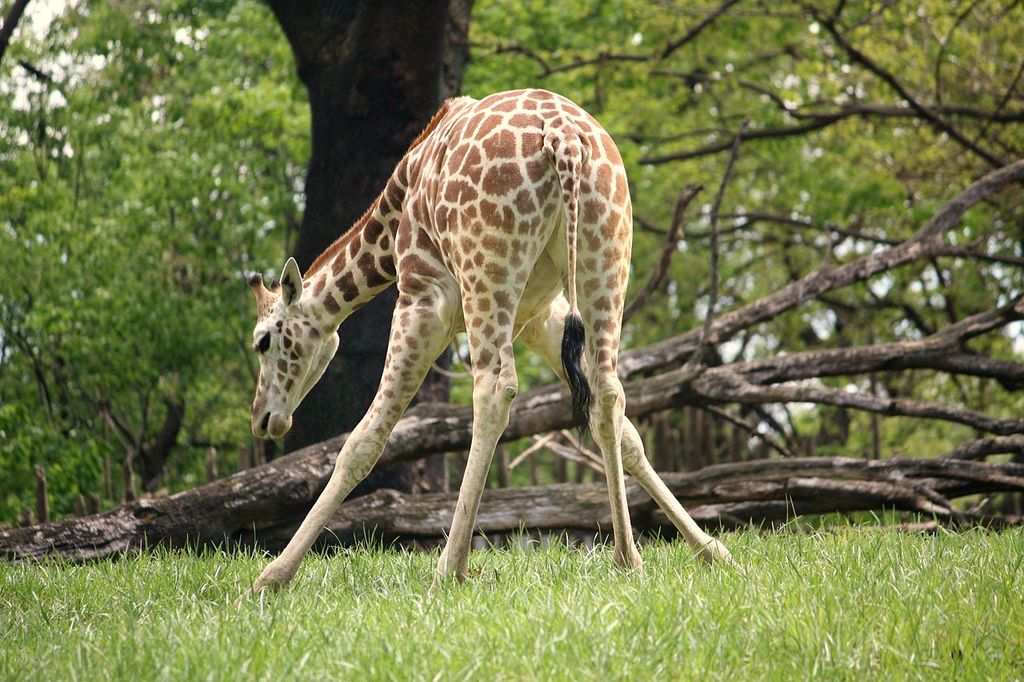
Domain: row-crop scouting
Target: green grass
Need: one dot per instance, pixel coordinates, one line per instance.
(843, 604)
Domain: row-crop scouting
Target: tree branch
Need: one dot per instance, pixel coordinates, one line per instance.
(697, 29)
(14, 15)
(928, 114)
(818, 120)
(713, 285)
(721, 384)
(264, 504)
(668, 247)
(926, 242)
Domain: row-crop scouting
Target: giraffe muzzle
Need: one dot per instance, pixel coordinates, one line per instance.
(271, 425)
(278, 425)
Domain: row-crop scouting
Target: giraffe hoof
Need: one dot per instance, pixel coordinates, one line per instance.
(442, 580)
(628, 560)
(274, 577)
(714, 552)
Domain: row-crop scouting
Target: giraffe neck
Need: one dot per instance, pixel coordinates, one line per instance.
(359, 265)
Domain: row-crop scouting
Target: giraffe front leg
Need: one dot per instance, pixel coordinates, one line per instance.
(417, 337)
(356, 459)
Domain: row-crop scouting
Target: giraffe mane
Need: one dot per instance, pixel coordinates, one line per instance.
(349, 234)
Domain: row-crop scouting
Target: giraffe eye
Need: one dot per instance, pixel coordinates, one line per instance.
(264, 345)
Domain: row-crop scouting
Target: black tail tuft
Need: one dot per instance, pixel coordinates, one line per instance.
(572, 352)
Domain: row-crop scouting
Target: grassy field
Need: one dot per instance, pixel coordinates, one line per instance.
(844, 604)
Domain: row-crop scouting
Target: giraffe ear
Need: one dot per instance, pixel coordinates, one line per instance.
(291, 282)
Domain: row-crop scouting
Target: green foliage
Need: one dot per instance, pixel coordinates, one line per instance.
(160, 163)
(843, 604)
(160, 156)
(881, 177)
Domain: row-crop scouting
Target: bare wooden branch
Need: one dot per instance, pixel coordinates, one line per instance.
(887, 77)
(925, 243)
(668, 247)
(42, 495)
(697, 29)
(755, 134)
(726, 385)
(812, 121)
(749, 428)
(547, 69)
(715, 206)
(983, 447)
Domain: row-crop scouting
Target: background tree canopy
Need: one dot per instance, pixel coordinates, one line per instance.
(154, 153)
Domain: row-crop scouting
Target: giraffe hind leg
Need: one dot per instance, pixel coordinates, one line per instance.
(606, 422)
(495, 384)
(542, 336)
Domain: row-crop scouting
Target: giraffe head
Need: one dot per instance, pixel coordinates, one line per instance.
(294, 350)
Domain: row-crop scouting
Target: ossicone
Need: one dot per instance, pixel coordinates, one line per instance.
(264, 296)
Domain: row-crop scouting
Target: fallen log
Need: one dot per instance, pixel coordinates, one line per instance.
(725, 495)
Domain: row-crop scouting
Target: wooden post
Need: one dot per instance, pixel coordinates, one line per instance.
(707, 439)
(561, 469)
(738, 445)
(130, 493)
(80, 506)
(665, 442)
(691, 439)
(257, 451)
(456, 469)
(93, 503)
(108, 477)
(243, 457)
(27, 518)
(42, 497)
(501, 453)
(211, 465)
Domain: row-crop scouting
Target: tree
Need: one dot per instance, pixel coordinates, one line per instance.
(835, 327)
(149, 158)
(375, 73)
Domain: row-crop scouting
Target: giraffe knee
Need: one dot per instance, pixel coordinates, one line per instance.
(357, 463)
(508, 386)
(502, 387)
(633, 454)
(609, 394)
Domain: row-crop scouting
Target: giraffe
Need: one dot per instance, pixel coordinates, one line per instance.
(508, 217)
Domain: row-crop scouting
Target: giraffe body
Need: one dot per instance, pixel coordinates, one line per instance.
(509, 217)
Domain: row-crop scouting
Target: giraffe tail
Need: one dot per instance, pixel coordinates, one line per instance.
(569, 151)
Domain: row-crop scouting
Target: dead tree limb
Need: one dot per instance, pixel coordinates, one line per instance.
(668, 247)
(702, 345)
(890, 79)
(925, 243)
(240, 509)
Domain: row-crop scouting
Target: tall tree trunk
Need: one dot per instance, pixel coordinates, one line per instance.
(375, 73)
